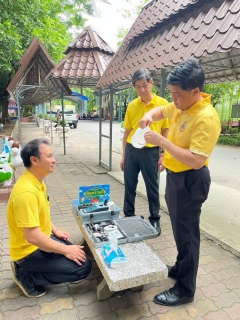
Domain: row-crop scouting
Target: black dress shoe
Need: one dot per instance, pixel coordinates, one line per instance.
(171, 298)
(171, 272)
(156, 225)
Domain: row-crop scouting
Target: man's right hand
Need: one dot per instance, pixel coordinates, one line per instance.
(146, 121)
(122, 164)
(75, 253)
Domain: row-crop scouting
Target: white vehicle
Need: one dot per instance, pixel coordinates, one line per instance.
(70, 116)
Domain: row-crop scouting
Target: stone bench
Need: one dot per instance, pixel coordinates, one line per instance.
(143, 267)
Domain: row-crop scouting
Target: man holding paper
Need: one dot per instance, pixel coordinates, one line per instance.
(193, 133)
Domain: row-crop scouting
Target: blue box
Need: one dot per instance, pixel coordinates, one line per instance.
(95, 193)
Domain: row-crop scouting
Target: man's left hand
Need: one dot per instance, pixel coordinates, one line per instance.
(160, 163)
(153, 138)
(62, 235)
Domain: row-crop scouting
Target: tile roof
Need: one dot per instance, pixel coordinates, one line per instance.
(89, 39)
(86, 59)
(35, 65)
(156, 12)
(167, 32)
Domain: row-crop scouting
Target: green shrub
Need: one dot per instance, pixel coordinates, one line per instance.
(40, 115)
(53, 119)
(232, 130)
(224, 127)
(61, 122)
(233, 140)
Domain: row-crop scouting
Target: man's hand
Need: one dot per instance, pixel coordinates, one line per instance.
(145, 121)
(75, 253)
(62, 235)
(153, 137)
(160, 163)
(122, 163)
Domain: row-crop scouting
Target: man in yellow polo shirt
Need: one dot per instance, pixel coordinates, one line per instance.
(147, 159)
(193, 133)
(42, 254)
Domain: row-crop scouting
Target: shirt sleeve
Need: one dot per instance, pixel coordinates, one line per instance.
(25, 206)
(168, 110)
(204, 136)
(127, 123)
(165, 123)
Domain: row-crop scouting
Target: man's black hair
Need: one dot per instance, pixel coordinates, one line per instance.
(187, 75)
(32, 149)
(141, 74)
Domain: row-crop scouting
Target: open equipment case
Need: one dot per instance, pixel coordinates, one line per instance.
(129, 229)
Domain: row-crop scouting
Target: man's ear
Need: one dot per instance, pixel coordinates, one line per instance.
(196, 91)
(33, 160)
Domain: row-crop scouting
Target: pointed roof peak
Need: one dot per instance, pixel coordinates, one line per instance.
(89, 39)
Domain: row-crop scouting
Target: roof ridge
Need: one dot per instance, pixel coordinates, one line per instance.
(89, 39)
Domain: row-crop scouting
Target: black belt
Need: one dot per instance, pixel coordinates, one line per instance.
(172, 172)
(149, 147)
(144, 147)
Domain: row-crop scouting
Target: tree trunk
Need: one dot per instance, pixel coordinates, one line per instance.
(4, 104)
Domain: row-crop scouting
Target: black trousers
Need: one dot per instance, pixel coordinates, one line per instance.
(185, 194)
(44, 268)
(146, 161)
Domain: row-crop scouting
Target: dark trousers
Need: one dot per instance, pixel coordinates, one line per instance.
(146, 161)
(44, 268)
(185, 194)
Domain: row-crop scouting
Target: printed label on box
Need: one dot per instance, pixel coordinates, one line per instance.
(95, 193)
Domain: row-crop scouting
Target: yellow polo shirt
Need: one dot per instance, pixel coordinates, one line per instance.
(28, 207)
(196, 129)
(136, 110)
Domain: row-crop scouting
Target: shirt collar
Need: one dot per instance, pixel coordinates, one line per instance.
(199, 105)
(29, 175)
(153, 101)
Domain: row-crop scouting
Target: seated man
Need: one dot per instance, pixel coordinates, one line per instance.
(42, 254)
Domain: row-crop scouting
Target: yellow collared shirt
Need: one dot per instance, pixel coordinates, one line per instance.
(136, 110)
(196, 129)
(28, 207)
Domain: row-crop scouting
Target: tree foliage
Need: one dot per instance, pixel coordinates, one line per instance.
(49, 20)
(90, 93)
(221, 92)
(132, 10)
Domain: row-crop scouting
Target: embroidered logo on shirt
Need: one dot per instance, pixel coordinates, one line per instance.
(182, 127)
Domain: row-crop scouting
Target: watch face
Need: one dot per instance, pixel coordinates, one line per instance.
(138, 140)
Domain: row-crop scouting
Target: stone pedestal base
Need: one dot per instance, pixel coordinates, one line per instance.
(52, 133)
(103, 291)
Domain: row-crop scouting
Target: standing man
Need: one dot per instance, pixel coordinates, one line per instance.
(147, 159)
(193, 133)
(42, 254)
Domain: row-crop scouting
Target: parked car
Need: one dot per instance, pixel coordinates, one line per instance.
(70, 116)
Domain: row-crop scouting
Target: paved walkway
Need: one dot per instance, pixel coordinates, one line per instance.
(218, 283)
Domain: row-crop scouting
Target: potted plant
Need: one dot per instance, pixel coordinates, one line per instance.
(46, 116)
(40, 120)
(63, 124)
